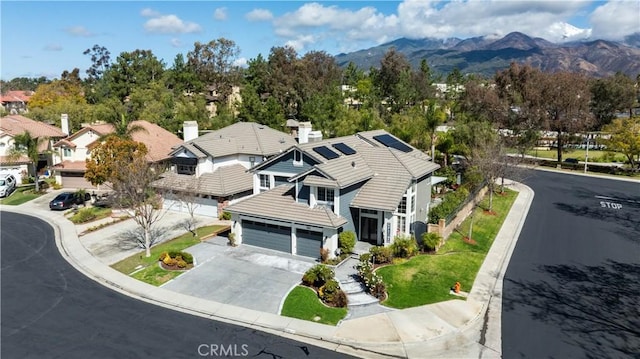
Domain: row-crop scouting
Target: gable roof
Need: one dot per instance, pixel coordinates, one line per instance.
(224, 181)
(241, 138)
(16, 96)
(17, 124)
(159, 141)
(262, 205)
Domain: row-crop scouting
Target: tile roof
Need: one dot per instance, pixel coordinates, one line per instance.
(71, 166)
(17, 124)
(245, 138)
(11, 160)
(279, 204)
(16, 96)
(224, 181)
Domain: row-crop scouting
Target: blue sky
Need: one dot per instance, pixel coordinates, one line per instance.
(47, 37)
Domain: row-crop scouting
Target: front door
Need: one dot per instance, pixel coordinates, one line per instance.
(369, 230)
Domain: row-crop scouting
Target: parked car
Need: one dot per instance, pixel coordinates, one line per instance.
(7, 184)
(66, 200)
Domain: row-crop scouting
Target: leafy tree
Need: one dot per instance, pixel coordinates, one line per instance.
(392, 77)
(281, 82)
(103, 165)
(100, 61)
(133, 187)
(154, 103)
(22, 84)
(434, 116)
(611, 95)
(352, 74)
(213, 63)
(27, 145)
(131, 70)
(181, 78)
(625, 138)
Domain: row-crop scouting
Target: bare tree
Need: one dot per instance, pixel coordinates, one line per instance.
(133, 190)
(188, 199)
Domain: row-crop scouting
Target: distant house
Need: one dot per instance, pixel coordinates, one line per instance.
(370, 183)
(213, 167)
(13, 125)
(75, 149)
(15, 102)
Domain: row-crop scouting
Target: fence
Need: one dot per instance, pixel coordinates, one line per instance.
(446, 225)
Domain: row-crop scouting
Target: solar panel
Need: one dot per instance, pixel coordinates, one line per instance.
(325, 152)
(344, 148)
(392, 142)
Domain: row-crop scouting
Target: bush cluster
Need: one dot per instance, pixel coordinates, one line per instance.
(84, 215)
(450, 202)
(175, 258)
(431, 241)
(225, 216)
(381, 254)
(346, 241)
(404, 246)
(372, 281)
(318, 275)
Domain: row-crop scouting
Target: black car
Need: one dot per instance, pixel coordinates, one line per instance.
(66, 200)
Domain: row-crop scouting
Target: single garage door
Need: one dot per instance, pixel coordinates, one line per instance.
(308, 243)
(266, 235)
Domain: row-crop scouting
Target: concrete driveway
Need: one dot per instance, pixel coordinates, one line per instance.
(244, 276)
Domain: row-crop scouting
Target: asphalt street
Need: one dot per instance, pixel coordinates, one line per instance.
(571, 289)
(49, 310)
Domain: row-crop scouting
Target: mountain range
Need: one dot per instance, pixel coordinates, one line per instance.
(487, 54)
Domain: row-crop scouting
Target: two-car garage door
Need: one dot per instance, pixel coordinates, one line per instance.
(278, 238)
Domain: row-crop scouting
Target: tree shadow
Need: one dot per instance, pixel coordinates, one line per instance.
(596, 306)
(134, 238)
(628, 223)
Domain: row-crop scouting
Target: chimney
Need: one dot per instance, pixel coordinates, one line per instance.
(304, 128)
(64, 123)
(189, 130)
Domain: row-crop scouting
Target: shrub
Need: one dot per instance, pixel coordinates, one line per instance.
(372, 281)
(431, 241)
(450, 203)
(324, 255)
(404, 246)
(83, 215)
(162, 256)
(365, 257)
(340, 299)
(225, 216)
(318, 275)
(346, 241)
(167, 260)
(181, 264)
(187, 257)
(231, 239)
(381, 254)
(328, 290)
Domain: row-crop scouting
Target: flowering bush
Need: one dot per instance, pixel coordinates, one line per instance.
(373, 281)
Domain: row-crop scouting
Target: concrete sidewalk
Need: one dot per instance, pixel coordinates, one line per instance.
(452, 329)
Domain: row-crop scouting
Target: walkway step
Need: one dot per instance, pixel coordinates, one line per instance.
(360, 299)
(352, 287)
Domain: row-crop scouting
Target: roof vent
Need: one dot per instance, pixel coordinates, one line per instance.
(353, 164)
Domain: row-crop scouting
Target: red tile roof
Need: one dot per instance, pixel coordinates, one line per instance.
(16, 96)
(17, 124)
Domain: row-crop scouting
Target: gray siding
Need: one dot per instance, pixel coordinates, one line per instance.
(304, 194)
(423, 199)
(285, 165)
(346, 196)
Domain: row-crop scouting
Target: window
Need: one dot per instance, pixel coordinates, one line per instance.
(325, 197)
(402, 207)
(66, 152)
(186, 169)
(325, 194)
(402, 224)
(297, 158)
(265, 183)
(252, 161)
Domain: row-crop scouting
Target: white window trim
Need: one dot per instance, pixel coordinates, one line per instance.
(300, 162)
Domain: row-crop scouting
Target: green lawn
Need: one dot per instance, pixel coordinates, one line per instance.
(21, 195)
(88, 214)
(426, 279)
(136, 261)
(303, 303)
(155, 275)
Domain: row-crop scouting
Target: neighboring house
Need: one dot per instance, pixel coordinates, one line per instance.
(13, 125)
(15, 102)
(75, 149)
(371, 183)
(214, 99)
(212, 169)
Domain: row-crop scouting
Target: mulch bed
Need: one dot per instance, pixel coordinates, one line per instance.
(175, 267)
(469, 240)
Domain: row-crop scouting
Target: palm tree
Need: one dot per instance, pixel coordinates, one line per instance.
(27, 145)
(434, 116)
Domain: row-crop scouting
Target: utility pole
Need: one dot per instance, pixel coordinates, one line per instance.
(586, 157)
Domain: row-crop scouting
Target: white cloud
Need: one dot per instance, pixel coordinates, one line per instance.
(240, 62)
(616, 19)
(53, 47)
(78, 31)
(220, 14)
(147, 12)
(170, 24)
(259, 15)
(175, 42)
(354, 28)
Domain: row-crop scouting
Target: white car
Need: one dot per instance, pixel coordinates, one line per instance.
(7, 184)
